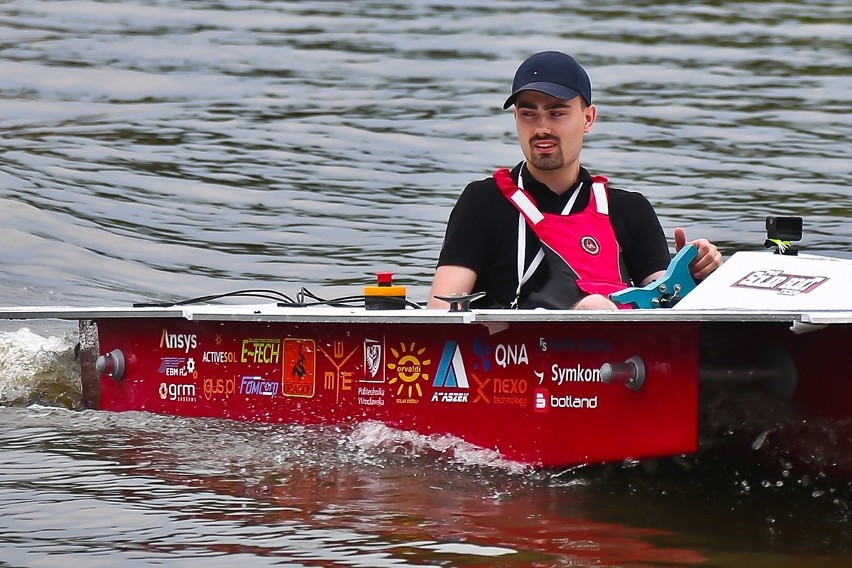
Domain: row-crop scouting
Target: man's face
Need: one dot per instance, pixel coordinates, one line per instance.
(551, 130)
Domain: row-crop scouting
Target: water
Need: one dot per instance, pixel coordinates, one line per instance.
(167, 150)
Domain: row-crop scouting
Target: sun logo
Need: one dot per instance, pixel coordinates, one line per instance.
(409, 369)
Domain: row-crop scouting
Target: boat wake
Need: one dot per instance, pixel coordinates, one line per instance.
(375, 437)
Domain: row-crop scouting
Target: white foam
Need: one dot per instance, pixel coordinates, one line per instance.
(371, 436)
(27, 360)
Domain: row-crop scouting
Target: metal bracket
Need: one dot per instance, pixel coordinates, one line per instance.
(631, 373)
(111, 364)
(461, 303)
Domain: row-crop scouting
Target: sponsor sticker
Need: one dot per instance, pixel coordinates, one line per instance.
(219, 357)
(544, 401)
(338, 380)
(505, 391)
(511, 355)
(540, 397)
(178, 392)
(299, 368)
(569, 344)
(407, 365)
(575, 374)
(258, 386)
(218, 387)
(178, 341)
(177, 367)
(451, 375)
(260, 351)
(371, 396)
(374, 359)
(779, 282)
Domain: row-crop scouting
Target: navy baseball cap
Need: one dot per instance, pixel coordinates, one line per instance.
(553, 73)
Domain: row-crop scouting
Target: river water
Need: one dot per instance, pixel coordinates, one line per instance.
(164, 150)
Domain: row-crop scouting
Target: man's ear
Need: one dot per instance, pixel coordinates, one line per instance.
(590, 114)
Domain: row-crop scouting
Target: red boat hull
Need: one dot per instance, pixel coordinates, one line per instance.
(532, 392)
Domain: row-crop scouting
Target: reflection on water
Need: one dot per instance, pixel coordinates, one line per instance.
(133, 485)
(156, 150)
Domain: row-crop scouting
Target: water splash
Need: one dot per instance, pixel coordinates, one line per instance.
(38, 369)
(374, 436)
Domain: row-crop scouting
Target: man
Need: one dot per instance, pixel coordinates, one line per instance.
(549, 234)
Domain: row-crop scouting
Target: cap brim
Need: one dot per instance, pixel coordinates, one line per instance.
(552, 89)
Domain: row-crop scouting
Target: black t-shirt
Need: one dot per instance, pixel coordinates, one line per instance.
(482, 234)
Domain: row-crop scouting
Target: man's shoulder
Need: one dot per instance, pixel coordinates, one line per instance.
(630, 210)
(483, 200)
(626, 194)
(484, 183)
(629, 203)
(489, 182)
(485, 188)
(612, 187)
(619, 196)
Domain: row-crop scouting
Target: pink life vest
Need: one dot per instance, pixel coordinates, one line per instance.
(579, 248)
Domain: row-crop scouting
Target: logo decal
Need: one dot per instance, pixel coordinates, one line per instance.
(508, 391)
(409, 370)
(506, 355)
(181, 341)
(777, 281)
(177, 367)
(541, 396)
(451, 375)
(300, 361)
(253, 385)
(483, 351)
(177, 392)
(373, 359)
(590, 245)
(219, 357)
(451, 372)
(219, 386)
(575, 374)
(371, 396)
(545, 401)
(260, 351)
(341, 380)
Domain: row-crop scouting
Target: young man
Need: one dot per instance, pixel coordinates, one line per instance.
(549, 234)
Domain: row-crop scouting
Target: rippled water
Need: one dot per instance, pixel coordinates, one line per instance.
(166, 150)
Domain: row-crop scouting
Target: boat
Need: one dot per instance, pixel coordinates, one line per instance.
(545, 388)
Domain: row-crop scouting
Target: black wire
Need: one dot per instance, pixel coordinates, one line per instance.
(283, 300)
(344, 301)
(348, 301)
(256, 293)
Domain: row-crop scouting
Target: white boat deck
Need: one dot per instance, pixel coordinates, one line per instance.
(272, 312)
(748, 287)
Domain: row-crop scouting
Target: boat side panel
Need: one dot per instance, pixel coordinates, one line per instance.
(825, 381)
(532, 391)
(810, 370)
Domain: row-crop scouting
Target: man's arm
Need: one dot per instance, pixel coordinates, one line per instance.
(450, 280)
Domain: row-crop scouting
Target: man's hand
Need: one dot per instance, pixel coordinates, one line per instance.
(708, 259)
